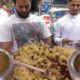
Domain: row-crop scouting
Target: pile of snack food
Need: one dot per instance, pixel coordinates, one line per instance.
(54, 60)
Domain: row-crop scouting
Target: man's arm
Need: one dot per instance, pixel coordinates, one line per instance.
(6, 36)
(77, 44)
(5, 45)
(46, 34)
(57, 33)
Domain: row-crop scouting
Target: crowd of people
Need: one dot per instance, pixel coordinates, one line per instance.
(22, 26)
(66, 29)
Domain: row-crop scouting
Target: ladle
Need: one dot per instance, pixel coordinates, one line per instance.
(7, 62)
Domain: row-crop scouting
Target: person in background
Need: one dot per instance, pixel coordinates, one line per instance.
(5, 7)
(67, 28)
(13, 9)
(3, 14)
(22, 27)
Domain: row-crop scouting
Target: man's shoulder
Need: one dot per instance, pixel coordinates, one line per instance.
(9, 20)
(62, 19)
(33, 16)
(11, 16)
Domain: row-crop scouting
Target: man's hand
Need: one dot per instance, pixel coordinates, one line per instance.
(5, 45)
(67, 41)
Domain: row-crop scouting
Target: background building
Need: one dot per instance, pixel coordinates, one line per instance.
(45, 5)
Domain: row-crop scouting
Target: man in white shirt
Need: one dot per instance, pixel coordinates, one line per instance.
(22, 27)
(67, 28)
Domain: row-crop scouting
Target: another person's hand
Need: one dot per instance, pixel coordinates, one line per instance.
(67, 41)
(78, 44)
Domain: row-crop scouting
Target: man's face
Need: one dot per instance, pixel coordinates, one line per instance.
(23, 8)
(74, 7)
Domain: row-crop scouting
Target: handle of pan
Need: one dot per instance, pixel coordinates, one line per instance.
(29, 66)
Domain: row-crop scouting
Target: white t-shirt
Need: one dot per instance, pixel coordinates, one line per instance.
(22, 30)
(3, 15)
(67, 27)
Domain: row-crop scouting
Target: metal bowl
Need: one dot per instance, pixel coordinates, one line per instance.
(7, 57)
(74, 64)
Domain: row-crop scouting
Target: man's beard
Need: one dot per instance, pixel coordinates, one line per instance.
(23, 15)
